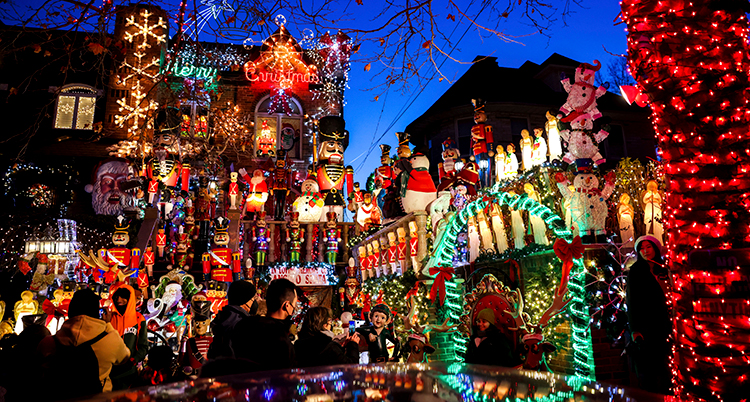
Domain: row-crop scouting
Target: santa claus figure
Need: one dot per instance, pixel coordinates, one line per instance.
(257, 192)
(120, 258)
(221, 263)
(294, 236)
(332, 237)
(113, 188)
(330, 172)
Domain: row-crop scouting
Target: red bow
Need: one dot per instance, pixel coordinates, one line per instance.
(438, 286)
(566, 252)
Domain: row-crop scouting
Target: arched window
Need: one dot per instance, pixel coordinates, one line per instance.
(277, 129)
(75, 107)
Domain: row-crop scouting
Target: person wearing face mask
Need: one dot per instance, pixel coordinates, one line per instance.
(131, 326)
(648, 316)
(316, 345)
(266, 340)
(240, 298)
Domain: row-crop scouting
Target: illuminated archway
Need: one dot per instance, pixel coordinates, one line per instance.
(443, 254)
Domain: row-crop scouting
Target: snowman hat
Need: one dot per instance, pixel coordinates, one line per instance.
(584, 166)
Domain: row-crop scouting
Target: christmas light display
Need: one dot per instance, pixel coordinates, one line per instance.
(691, 60)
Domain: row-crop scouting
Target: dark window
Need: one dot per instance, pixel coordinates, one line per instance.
(614, 144)
(516, 125)
(464, 135)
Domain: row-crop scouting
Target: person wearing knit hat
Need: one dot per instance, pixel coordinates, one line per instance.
(648, 315)
(240, 297)
(377, 335)
(488, 345)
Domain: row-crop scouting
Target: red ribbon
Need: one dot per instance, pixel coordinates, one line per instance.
(566, 252)
(441, 275)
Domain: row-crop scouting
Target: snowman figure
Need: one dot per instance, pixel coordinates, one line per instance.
(310, 203)
(588, 203)
(419, 190)
(582, 144)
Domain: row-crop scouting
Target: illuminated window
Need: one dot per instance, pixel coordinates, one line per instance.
(75, 107)
(278, 130)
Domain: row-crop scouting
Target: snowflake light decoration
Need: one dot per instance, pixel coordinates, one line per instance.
(137, 112)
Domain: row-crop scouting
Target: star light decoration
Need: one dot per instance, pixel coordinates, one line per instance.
(135, 110)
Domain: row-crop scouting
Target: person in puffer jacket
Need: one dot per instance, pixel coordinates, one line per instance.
(240, 302)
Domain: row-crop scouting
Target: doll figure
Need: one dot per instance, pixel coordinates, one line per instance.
(517, 227)
(194, 350)
(414, 246)
(120, 258)
(539, 149)
(261, 238)
(332, 236)
(481, 133)
(220, 263)
(526, 150)
(376, 257)
(257, 192)
(537, 223)
(447, 170)
(473, 238)
(26, 306)
(401, 250)
(511, 163)
(280, 185)
(330, 171)
(310, 202)
(484, 231)
(553, 137)
(498, 228)
(418, 348)
(625, 219)
(234, 190)
(652, 210)
(378, 335)
(295, 236)
(500, 162)
(393, 254)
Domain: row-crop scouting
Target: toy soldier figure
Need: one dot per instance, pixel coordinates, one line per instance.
(194, 351)
(413, 246)
(183, 256)
(481, 133)
(280, 186)
(261, 239)
(332, 238)
(384, 175)
(330, 172)
(165, 168)
(234, 190)
(205, 203)
(401, 250)
(447, 168)
(120, 257)
(391, 204)
(294, 236)
(220, 263)
(356, 198)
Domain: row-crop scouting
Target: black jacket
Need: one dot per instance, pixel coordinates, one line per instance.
(221, 327)
(494, 350)
(265, 341)
(318, 349)
(647, 304)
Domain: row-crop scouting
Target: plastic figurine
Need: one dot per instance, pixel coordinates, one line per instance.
(351, 293)
(539, 151)
(26, 306)
(589, 203)
(625, 219)
(447, 170)
(392, 206)
(189, 220)
(148, 261)
(220, 263)
(194, 350)
(332, 236)
(652, 216)
(500, 157)
(498, 228)
(517, 227)
(280, 187)
(511, 163)
(553, 137)
(537, 223)
(484, 231)
(419, 190)
(401, 250)
(183, 256)
(261, 238)
(165, 168)
(378, 335)
(526, 149)
(294, 236)
(384, 175)
(414, 246)
(266, 143)
(481, 133)
(363, 262)
(376, 257)
(216, 294)
(161, 242)
(330, 172)
(368, 213)
(371, 263)
(356, 198)
(310, 203)
(234, 190)
(473, 239)
(257, 192)
(205, 206)
(120, 258)
(418, 348)
(384, 266)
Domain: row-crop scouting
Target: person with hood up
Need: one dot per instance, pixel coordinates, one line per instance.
(488, 345)
(648, 316)
(240, 304)
(316, 346)
(82, 330)
(131, 326)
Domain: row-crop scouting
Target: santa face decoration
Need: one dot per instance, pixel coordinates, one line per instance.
(107, 194)
(332, 151)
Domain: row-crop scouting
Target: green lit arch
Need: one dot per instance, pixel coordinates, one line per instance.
(443, 255)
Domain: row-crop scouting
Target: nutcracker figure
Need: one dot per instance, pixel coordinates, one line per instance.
(257, 192)
(391, 204)
(384, 174)
(384, 266)
(216, 294)
(194, 350)
(401, 250)
(183, 256)
(120, 258)
(205, 204)
(234, 190)
(352, 296)
(481, 133)
(280, 186)
(364, 262)
(220, 263)
(330, 172)
(393, 253)
(413, 246)
(376, 257)
(261, 238)
(189, 220)
(447, 170)
(165, 168)
(161, 242)
(148, 261)
(332, 238)
(294, 236)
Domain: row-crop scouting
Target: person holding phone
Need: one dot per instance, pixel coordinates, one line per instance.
(316, 345)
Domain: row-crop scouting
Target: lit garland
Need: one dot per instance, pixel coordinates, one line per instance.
(691, 60)
(578, 309)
